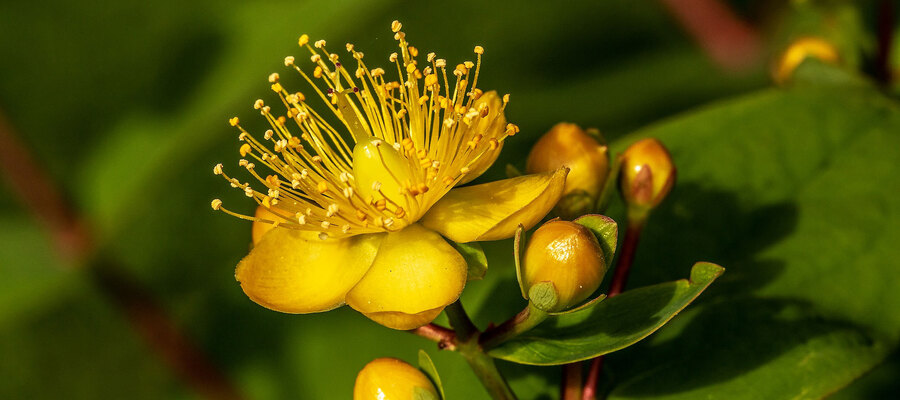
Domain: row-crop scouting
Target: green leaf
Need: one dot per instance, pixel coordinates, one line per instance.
(609, 325)
(607, 232)
(475, 259)
(795, 191)
(427, 366)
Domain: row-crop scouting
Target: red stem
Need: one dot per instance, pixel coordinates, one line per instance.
(571, 377)
(728, 40)
(37, 192)
(885, 41)
(42, 197)
(444, 337)
(620, 277)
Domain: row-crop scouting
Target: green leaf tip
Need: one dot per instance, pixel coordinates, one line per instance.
(427, 366)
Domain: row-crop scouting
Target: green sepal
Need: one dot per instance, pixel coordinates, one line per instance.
(475, 259)
(427, 366)
(606, 230)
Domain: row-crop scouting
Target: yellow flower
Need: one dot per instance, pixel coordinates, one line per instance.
(360, 199)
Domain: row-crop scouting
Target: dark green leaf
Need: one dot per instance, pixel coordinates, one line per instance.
(608, 326)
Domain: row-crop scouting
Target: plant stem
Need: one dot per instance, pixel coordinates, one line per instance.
(885, 41)
(571, 378)
(444, 337)
(636, 221)
(626, 257)
(483, 365)
(526, 319)
(728, 40)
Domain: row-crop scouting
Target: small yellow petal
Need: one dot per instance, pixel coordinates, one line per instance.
(287, 272)
(490, 126)
(403, 321)
(415, 270)
(493, 211)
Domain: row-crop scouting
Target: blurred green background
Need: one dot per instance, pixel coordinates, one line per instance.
(124, 105)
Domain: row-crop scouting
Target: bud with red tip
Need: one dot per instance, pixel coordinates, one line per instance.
(647, 174)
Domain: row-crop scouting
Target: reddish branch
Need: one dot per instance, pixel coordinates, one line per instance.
(728, 40)
(43, 199)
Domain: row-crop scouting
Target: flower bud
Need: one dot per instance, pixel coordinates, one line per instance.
(647, 174)
(567, 255)
(392, 379)
(798, 51)
(568, 145)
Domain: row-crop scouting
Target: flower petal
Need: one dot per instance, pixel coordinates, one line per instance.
(404, 321)
(416, 270)
(493, 211)
(287, 272)
(490, 126)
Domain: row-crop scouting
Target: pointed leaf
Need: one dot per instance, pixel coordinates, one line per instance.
(609, 325)
(427, 366)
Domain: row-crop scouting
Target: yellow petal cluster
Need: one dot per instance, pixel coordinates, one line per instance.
(360, 211)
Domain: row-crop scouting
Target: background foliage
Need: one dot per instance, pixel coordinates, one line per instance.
(791, 189)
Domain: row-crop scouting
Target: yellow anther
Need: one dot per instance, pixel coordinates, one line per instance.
(304, 39)
(333, 57)
(400, 213)
(317, 73)
(320, 43)
(273, 180)
(234, 121)
(506, 98)
(288, 61)
(380, 204)
(469, 64)
(484, 111)
(494, 144)
(280, 120)
(423, 188)
(276, 87)
(421, 153)
(377, 72)
(448, 180)
(430, 57)
(349, 47)
(393, 57)
(479, 50)
(325, 225)
(345, 228)
(360, 215)
(294, 142)
(411, 67)
(315, 58)
(245, 149)
(512, 129)
(401, 113)
(395, 26)
(431, 80)
(218, 169)
(216, 204)
(322, 187)
(399, 36)
(408, 144)
(440, 63)
(300, 97)
(476, 93)
(413, 51)
(360, 72)
(248, 191)
(268, 134)
(423, 99)
(267, 202)
(258, 104)
(273, 77)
